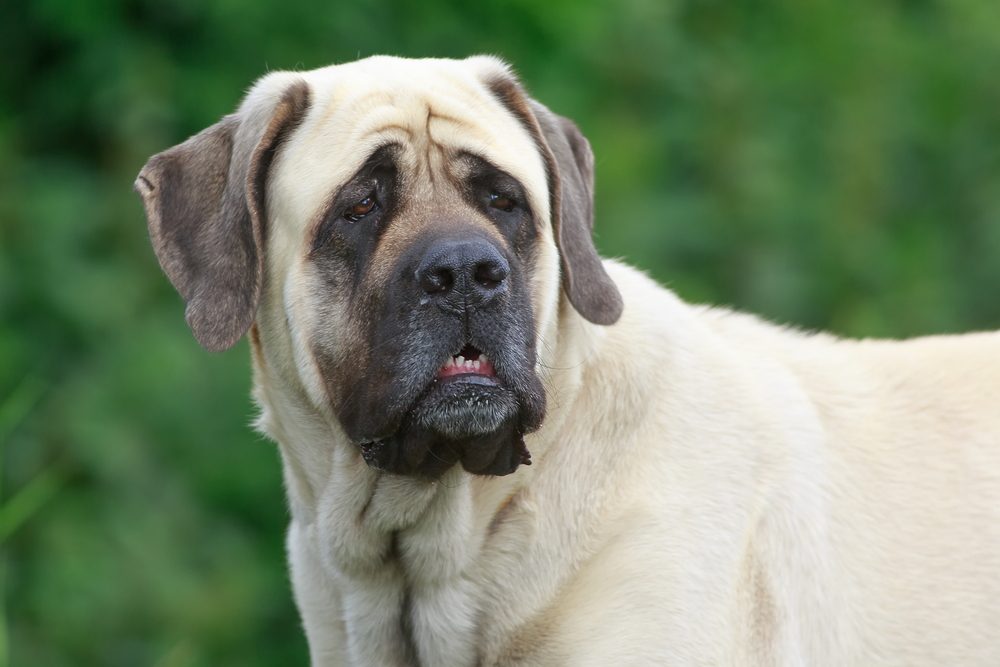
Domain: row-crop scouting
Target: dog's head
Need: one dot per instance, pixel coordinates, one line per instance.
(399, 230)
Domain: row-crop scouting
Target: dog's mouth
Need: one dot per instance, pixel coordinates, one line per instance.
(470, 362)
(469, 401)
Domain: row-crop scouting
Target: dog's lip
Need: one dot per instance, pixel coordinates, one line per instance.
(469, 362)
(469, 378)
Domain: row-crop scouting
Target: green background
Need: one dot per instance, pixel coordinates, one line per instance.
(828, 163)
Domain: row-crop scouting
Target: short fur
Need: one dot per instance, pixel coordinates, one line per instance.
(706, 488)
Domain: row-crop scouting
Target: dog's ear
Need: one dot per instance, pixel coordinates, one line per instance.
(204, 202)
(569, 164)
(590, 288)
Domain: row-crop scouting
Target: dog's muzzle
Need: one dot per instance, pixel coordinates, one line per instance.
(468, 392)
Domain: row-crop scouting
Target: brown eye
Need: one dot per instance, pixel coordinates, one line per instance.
(361, 209)
(501, 202)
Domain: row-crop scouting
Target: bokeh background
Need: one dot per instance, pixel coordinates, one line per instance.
(828, 163)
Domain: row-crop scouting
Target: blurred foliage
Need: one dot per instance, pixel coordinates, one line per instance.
(830, 163)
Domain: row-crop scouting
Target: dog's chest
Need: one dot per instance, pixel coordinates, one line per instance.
(401, 561)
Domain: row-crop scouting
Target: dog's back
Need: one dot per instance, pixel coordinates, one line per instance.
(910, 462)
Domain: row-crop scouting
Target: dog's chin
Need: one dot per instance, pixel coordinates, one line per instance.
(467, 420)
(465, 407)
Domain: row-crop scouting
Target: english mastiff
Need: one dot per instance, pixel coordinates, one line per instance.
(408, 244)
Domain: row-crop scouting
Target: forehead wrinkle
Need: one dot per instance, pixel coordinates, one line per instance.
(449, 89)
(393, 130)
(334, 100)
(401, 106)
(441, 113)
(433, 115)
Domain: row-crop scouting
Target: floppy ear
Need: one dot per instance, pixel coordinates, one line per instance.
(569, 164)
(204, 202)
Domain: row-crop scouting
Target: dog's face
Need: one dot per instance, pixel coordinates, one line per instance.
(398, 230)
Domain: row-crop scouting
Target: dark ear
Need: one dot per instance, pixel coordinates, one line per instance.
(570, 166)
(204, 202)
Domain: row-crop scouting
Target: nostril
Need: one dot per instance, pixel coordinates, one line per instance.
(490, 274)
(461, 274)
(437, 280)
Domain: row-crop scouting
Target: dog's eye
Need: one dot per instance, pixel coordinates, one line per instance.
(502, 202)
(361, 209)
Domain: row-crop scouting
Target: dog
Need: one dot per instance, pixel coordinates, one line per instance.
(500, 449)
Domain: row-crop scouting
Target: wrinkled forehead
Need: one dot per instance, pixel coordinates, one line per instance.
(423, 106)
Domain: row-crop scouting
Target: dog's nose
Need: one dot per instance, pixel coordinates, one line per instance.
(463, 274)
